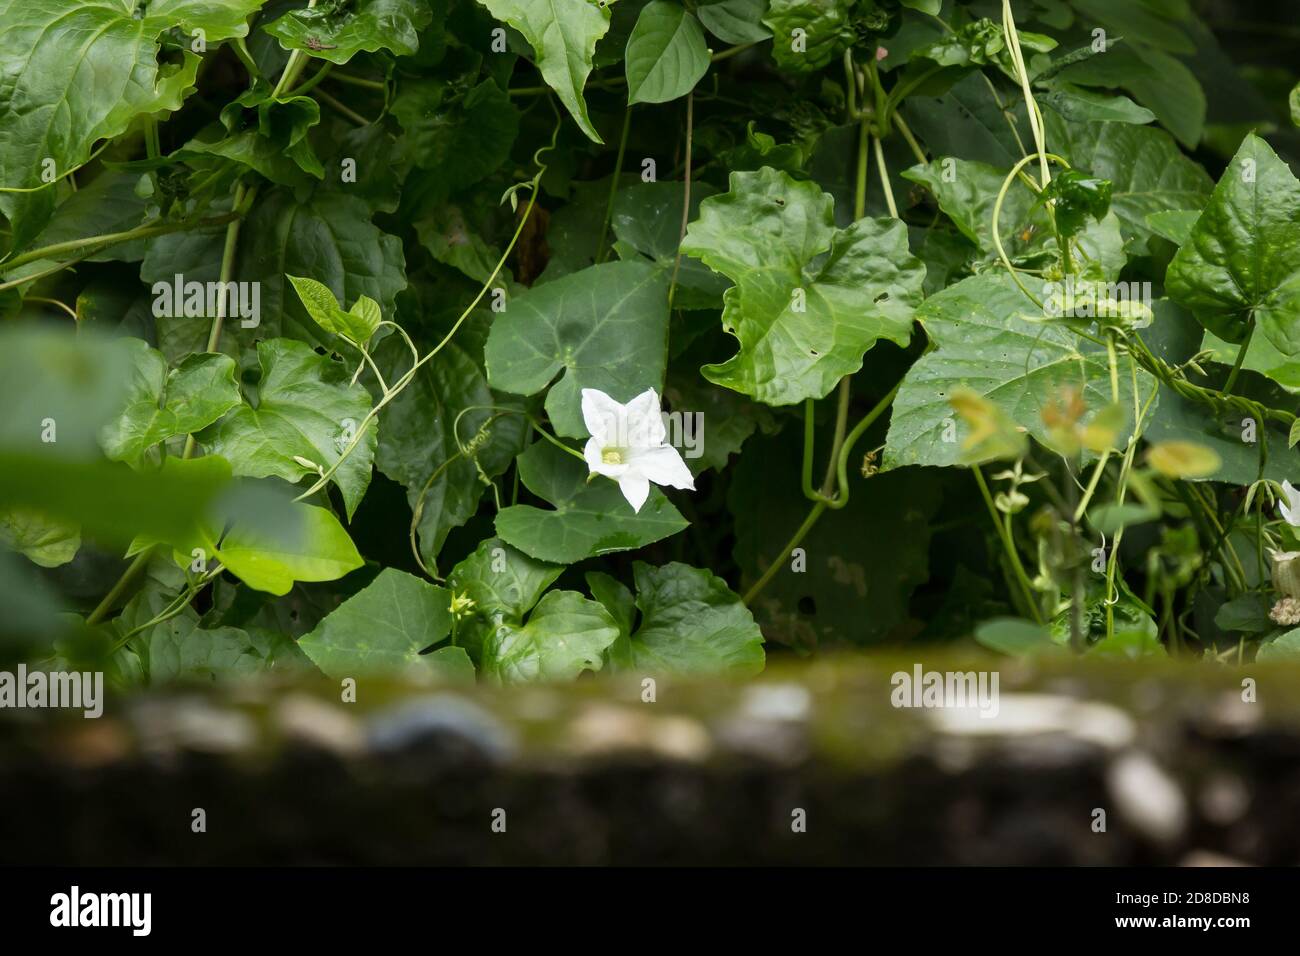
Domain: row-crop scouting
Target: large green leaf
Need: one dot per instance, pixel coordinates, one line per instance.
(735, 21)
(666, 54)
(691, 623)
(462, 138)
(565, 635)
(647, 219)
(802, 325)
(163, 403)
(419, 449)
(1147, 171)
(1242, 261)
(337, 32)
(605, 326)
(108, 203)
(74, 73)
(45, 541)
(327, 236)
(808, 34)
(988, 341)
(1078, 105)
(383, 629)
(311, 547)
(563, 35)
(1157, 80)
(306, 409)
(590, 518)
(504, 585)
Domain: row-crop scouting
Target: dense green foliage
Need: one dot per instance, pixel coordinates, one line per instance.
(335, 334)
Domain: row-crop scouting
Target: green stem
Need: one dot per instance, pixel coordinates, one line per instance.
(1009, 546)
(686, 195)
(93, 244)
(602, 251)
(342, 108)
(883, 170)
(537, 426)
(783, 556)
(1241, 358)
(315, 81)
(115, 593)
(351, 80)
(911, 140)
(292, 68)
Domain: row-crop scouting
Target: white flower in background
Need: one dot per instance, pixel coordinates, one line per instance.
(1290, 507)
(627, 444)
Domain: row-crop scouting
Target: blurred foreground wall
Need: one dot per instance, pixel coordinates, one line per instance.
(808, 765)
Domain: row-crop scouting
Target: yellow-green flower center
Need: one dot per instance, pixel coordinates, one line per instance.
(611, 456)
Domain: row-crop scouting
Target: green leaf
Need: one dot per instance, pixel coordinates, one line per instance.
(327, 236)
(463, 139)
(312, 547)
(691, 623)
(987, 342)
(605, 327)
(1173, 224)
(417, 446)
(356, 325)
(735, 21)
(1078, 105)
(306, 409)
(666, 54)
(381, 629)
(802, 326)
(1078, 197)
(1262, 357)
(808, 34)
(967, 193)
(162, 403)
(504, 585)
(563, 35)
(1283, 648)
(1014, 636)
(565, 635)
(590, 518)
(337, 33)
(1242, 262)
(1138, 22)
(967, 121)
(108, 203)
(1148, 173)
(1157, 80)
(71, 74)
(45, 541)
(1246, 614)
(647, 218)
(180, 650)
(265, 133)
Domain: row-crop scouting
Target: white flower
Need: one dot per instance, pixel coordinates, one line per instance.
(627, 444)
(1290, 507)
